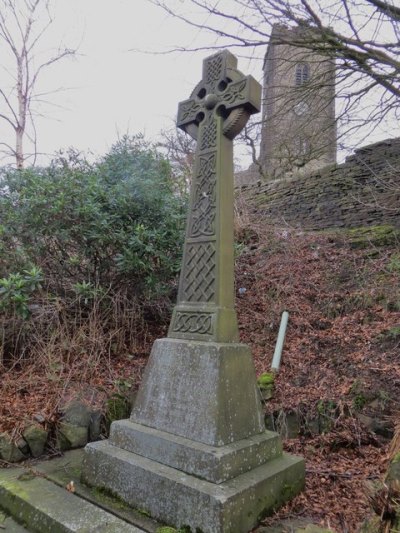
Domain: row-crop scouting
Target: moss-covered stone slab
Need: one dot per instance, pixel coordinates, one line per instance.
(9, 525)
(43, 507)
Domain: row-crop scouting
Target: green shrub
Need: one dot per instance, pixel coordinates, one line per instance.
(16, 291)
(112, 222)
(92, 230)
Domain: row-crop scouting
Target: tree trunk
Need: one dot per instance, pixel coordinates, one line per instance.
(19, 151)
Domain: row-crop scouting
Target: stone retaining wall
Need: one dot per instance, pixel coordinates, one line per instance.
(365, 190)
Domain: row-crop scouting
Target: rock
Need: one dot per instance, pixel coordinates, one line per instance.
(71, 436)
(267, 392)
(22, 445)
(9, 451)
(381, 426)
(76, 413)
(95, 425)
(287, 424)
(36, 438)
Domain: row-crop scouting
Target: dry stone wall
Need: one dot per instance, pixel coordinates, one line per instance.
(365, 190)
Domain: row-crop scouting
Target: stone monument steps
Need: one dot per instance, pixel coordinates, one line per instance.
(193, 502)
(212, 463)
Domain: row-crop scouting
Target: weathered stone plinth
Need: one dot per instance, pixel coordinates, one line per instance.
(195, 451)
(203, 391)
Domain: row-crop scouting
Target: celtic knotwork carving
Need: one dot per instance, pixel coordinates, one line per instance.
(200, 323)
(214, 68)
(209, 134)
(189, 109)
(235, 92)
(199, 272)
(204, 204)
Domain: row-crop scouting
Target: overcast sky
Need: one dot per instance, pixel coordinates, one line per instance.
(113, 86)
(116, 84)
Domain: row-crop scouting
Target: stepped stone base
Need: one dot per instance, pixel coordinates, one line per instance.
(215, 464)
(195, 451)
(177, 498)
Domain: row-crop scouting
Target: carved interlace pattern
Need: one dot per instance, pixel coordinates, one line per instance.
(209, 134)
(235, 93)
(214, 68)
(200, 323)
(199, 272)
(204, 205)
(189, 109)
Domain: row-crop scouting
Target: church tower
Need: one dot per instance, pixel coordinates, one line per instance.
(298, 128)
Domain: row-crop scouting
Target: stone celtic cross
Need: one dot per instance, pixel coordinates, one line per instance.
(197, 430)
(216, 112)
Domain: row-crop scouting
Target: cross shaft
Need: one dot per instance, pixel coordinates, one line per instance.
(216, 112)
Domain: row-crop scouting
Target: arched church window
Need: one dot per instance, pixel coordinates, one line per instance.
(302, 73)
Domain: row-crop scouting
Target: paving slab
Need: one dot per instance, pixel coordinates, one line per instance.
(44, 507)
(35, 495)
(8, 525)
(67, 468)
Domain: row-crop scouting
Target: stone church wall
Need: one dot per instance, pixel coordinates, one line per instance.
(365, 190)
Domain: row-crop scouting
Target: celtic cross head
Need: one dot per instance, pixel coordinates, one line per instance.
(223, 91)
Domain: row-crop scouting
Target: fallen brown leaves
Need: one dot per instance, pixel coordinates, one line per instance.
(342, 303)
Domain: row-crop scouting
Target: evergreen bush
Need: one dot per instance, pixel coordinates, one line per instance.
(82, 234)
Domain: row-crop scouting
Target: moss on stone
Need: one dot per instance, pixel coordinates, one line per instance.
(363, 237)
(106, 496)
(118, 408)
(266, 379)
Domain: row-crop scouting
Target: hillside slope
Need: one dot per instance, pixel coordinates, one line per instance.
(336, 395)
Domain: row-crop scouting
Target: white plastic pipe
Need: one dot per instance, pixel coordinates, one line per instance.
(276, 360)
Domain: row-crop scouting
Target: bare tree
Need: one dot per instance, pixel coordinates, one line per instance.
(23, 24)
(180, 150)
(362, 37)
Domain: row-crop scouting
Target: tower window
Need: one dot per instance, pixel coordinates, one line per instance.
(302, 146)
(302, 73)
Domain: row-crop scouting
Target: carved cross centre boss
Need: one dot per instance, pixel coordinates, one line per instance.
(216, 112)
